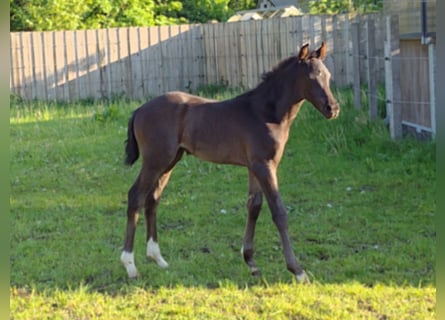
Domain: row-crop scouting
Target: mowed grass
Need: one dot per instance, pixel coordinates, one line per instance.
(361, 216)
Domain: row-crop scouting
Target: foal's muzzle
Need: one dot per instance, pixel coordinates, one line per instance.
(332, 110)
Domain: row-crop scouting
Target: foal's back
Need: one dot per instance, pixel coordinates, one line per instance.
(160, 121)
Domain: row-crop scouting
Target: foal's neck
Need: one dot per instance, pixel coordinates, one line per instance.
(279, 99)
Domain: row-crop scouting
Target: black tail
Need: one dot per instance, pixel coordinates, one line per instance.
(131, 147)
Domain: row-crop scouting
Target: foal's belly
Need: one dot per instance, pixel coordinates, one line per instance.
(212, 143)
(217, 151)
(220, 157)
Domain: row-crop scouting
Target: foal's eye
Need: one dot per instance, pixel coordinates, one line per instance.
(316, 74)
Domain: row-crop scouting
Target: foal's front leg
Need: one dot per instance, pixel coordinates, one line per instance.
(266, 175)
(254, 203)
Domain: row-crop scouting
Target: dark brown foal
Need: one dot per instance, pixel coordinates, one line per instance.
(250, 130)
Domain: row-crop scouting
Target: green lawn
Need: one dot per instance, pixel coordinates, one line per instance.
(361, 213)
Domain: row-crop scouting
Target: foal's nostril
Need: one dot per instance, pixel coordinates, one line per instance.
(333, 109)
(330, 108)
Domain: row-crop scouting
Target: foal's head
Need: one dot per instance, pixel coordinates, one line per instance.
(315, 81)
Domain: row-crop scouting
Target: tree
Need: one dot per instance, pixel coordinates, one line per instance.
(343, 6)
(45, 15)
(240, 5)
(202, 11)
(42, 15)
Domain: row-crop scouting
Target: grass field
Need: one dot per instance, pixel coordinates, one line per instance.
(361, 213)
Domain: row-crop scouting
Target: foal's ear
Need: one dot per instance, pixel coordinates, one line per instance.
(304, 52)
(321, 52)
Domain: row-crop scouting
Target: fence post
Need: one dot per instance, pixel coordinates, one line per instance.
(356, 65)
(388, 83)
(346, 40)
(370, 68)
(432, 68)
(392, 77)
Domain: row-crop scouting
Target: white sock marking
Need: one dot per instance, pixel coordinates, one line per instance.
(127, 259)
(154, 253)
(303, 278)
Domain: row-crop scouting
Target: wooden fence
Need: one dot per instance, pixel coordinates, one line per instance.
(136, 62)
(142, 62)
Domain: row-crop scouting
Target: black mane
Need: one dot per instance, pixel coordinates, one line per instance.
(268, 79)
(278, 68)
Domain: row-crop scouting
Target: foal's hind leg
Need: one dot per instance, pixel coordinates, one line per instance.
(254, 203)
(144, 185)
(151, 204)
(134, 205)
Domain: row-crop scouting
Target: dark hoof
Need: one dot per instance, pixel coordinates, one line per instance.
(256, 273)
